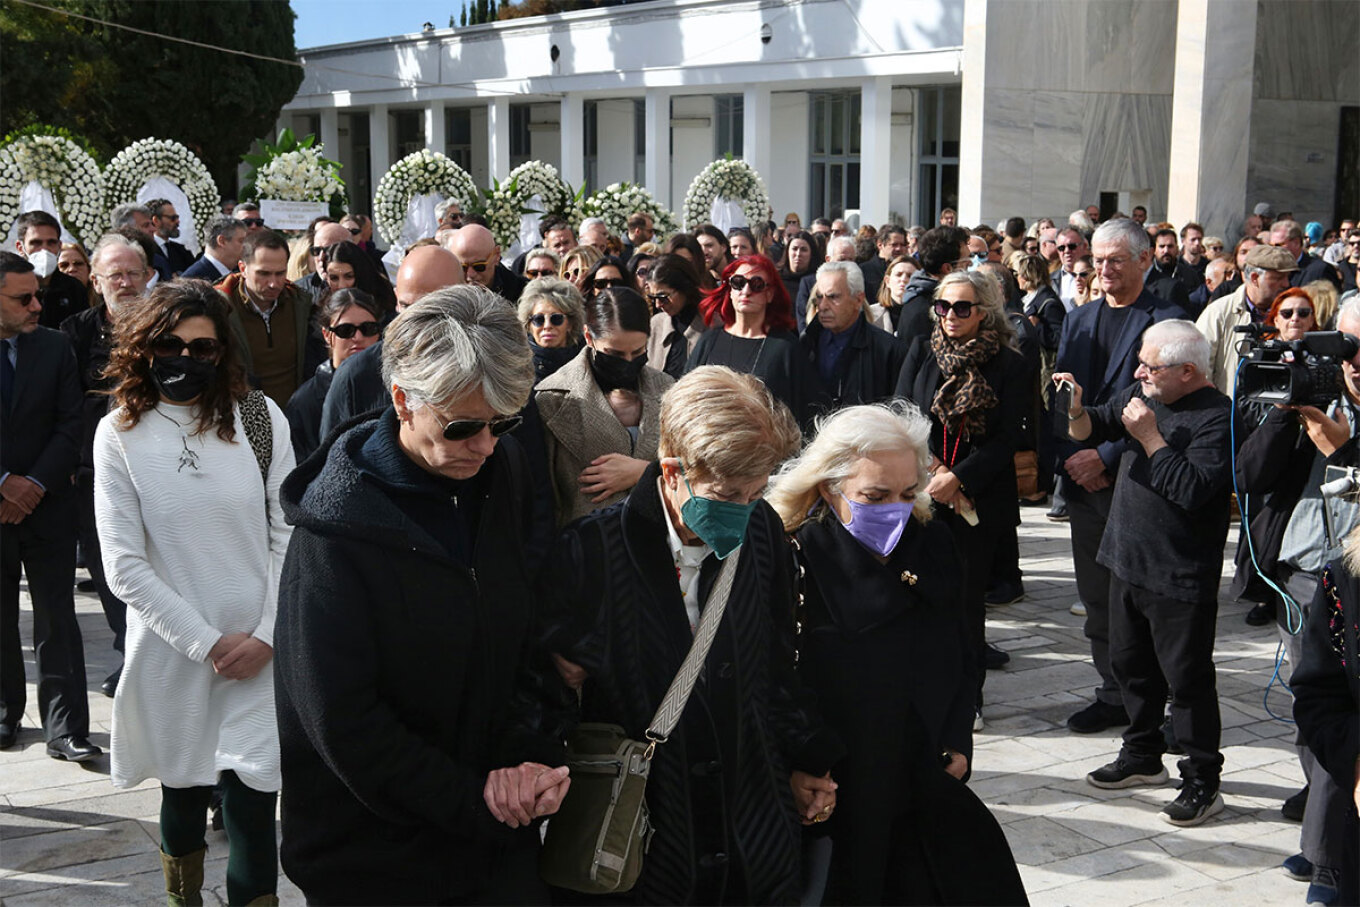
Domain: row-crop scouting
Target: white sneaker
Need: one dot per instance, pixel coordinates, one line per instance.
(1078, 608)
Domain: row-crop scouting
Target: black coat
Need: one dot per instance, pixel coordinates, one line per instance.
(867, 369)
(1048, 308)
(919, 295)
(304, 411)
(885, 648)
(986, 464)
(355, 389)
(202, 269)
(40, 436)
(780, 364)
(1312, 268)
(1173, 285)
(92, 340)
(394, 666)
(719, 790)
(63, 297)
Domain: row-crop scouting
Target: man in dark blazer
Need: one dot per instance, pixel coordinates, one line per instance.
(38, 238)
(221, 256)
(40, 411)
(165, 219)
(856, 362)
(1099, 347)
(1287, 234)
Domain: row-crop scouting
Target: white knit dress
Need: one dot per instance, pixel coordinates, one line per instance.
(187, 545)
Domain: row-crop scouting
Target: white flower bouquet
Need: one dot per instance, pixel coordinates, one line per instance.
(302, 175)
(422, 172)
(143, 160)
(615, 203)
(62, 167)
(509, 199)
(729, 179)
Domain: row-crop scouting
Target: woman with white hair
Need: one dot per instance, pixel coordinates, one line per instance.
(885, 647)
(402, 614)
(969, 378)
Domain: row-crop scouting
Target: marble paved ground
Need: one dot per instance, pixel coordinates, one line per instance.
(67, 837)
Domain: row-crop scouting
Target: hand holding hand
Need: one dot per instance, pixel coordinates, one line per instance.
(814, 797)
(11, 512)
(223, 647)
(21, 491)
(246, 660)
(518, 795)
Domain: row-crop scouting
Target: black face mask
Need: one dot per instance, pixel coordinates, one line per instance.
(181, 378)
(614, 372)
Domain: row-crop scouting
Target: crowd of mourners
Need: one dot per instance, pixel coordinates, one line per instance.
(386, 542)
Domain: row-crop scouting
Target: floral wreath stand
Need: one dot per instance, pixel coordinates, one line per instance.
(408, 193)
(52, 173)
(157, 168)
(517, 205)
(727, 193)
(615, 203)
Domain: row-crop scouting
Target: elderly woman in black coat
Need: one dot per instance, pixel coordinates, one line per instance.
(973, 383)
(886, 649)
(621, 599)
(403, 609)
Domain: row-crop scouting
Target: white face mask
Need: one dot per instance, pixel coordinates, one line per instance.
(44, 263)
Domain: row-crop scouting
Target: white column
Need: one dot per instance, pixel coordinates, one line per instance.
(755, 129)
(330, 132)
(573, 168)
(1211, 114)
(972, 116)
(498, 136)
(379, 144)
(657, 174)
(435, 137)
(875, 150)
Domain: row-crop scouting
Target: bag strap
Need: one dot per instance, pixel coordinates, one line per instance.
(673, 705)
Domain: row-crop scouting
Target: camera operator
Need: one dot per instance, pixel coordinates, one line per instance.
(1164, 549)
(1265, 275)
(1280, 470)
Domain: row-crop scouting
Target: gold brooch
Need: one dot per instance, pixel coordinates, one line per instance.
(908, 577)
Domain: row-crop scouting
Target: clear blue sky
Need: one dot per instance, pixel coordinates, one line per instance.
(337, 21)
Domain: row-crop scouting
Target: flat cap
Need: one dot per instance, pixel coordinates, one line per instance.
(1271, 258)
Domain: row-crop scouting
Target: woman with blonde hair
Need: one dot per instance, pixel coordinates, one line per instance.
(886, 648)
(577, 263)
(1325, 300)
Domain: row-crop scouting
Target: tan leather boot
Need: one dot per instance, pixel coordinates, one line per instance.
(184, 878)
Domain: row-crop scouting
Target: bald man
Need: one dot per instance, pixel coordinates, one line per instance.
(357, 387)
(326, 234)
(476, 248)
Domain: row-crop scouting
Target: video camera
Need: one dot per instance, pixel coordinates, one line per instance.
(1303, 372)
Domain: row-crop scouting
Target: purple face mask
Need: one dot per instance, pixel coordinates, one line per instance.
(877, 527)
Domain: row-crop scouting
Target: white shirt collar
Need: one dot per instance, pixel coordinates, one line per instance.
(159, 241)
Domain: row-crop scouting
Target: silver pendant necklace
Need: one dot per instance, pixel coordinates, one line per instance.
(187, 457)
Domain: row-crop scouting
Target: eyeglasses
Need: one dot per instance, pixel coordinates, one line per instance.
(253, 221)
(535, 273)
(122, 276)
(355, 231)
(556, 319)
(961, 309)
(204, 349)
(478, 266)
(755, 284)
(1154, 369)
(643, 272)
(792, 223)
(316, 250)
(1069, 247)
(573, 274)
(1082, 275)
(463, 429)
(1303, 312)
(1353, 242)
(346, 331)
(658, 298)
(25, 299)
(604, 283)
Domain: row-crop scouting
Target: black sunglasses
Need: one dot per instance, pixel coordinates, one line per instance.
(556, 319)
(604, 283)
(739, 283)
(535, 273)
(204, 349)
(463, 429)
(316, 250)
(1304, 312)
(962, 309)
(478, 266)
(346, 331)
(253, 221)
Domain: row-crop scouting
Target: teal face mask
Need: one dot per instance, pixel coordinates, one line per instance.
(721, 525)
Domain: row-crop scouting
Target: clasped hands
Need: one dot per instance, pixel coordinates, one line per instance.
(517, 796)
(945, 487)
(19, 496)
(240, 656)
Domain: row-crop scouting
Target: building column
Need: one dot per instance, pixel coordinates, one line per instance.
(657, 172)
(436, 138)
(498, 136)
(330, 132)
(972, 116)
(875, 150)
(755, 129)
(1211, 114)
(573, 169)
(379, 144)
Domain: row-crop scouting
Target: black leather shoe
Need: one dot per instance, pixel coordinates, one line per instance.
(1098, 716)
(86, 585)
(993, 658)
(1294, 806)
(9, 735)
(110, 684)
(73, 748)
(1261, 614)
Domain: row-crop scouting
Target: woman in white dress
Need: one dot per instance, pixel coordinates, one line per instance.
(187, 472)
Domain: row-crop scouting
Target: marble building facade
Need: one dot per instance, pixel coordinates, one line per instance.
(892, 108)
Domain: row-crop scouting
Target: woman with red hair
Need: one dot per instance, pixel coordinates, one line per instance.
(757, 336)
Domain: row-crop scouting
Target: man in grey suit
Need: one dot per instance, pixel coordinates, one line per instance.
(40, 404)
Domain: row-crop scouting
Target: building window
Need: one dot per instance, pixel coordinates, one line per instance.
(458, 136)
(410, 132)
(940, 110)
(835, 152)
(729, 116)
(520, 146)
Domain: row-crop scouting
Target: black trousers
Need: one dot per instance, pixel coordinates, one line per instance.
(43, 547)
(115, 612)
(1160, 645)
(978, 546)
(1088, 513)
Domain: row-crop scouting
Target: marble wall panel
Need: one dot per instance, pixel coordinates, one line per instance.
(1306, 50)
(1127, 143)
(1284, 136)
(1007, 164)
(1059, 144)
